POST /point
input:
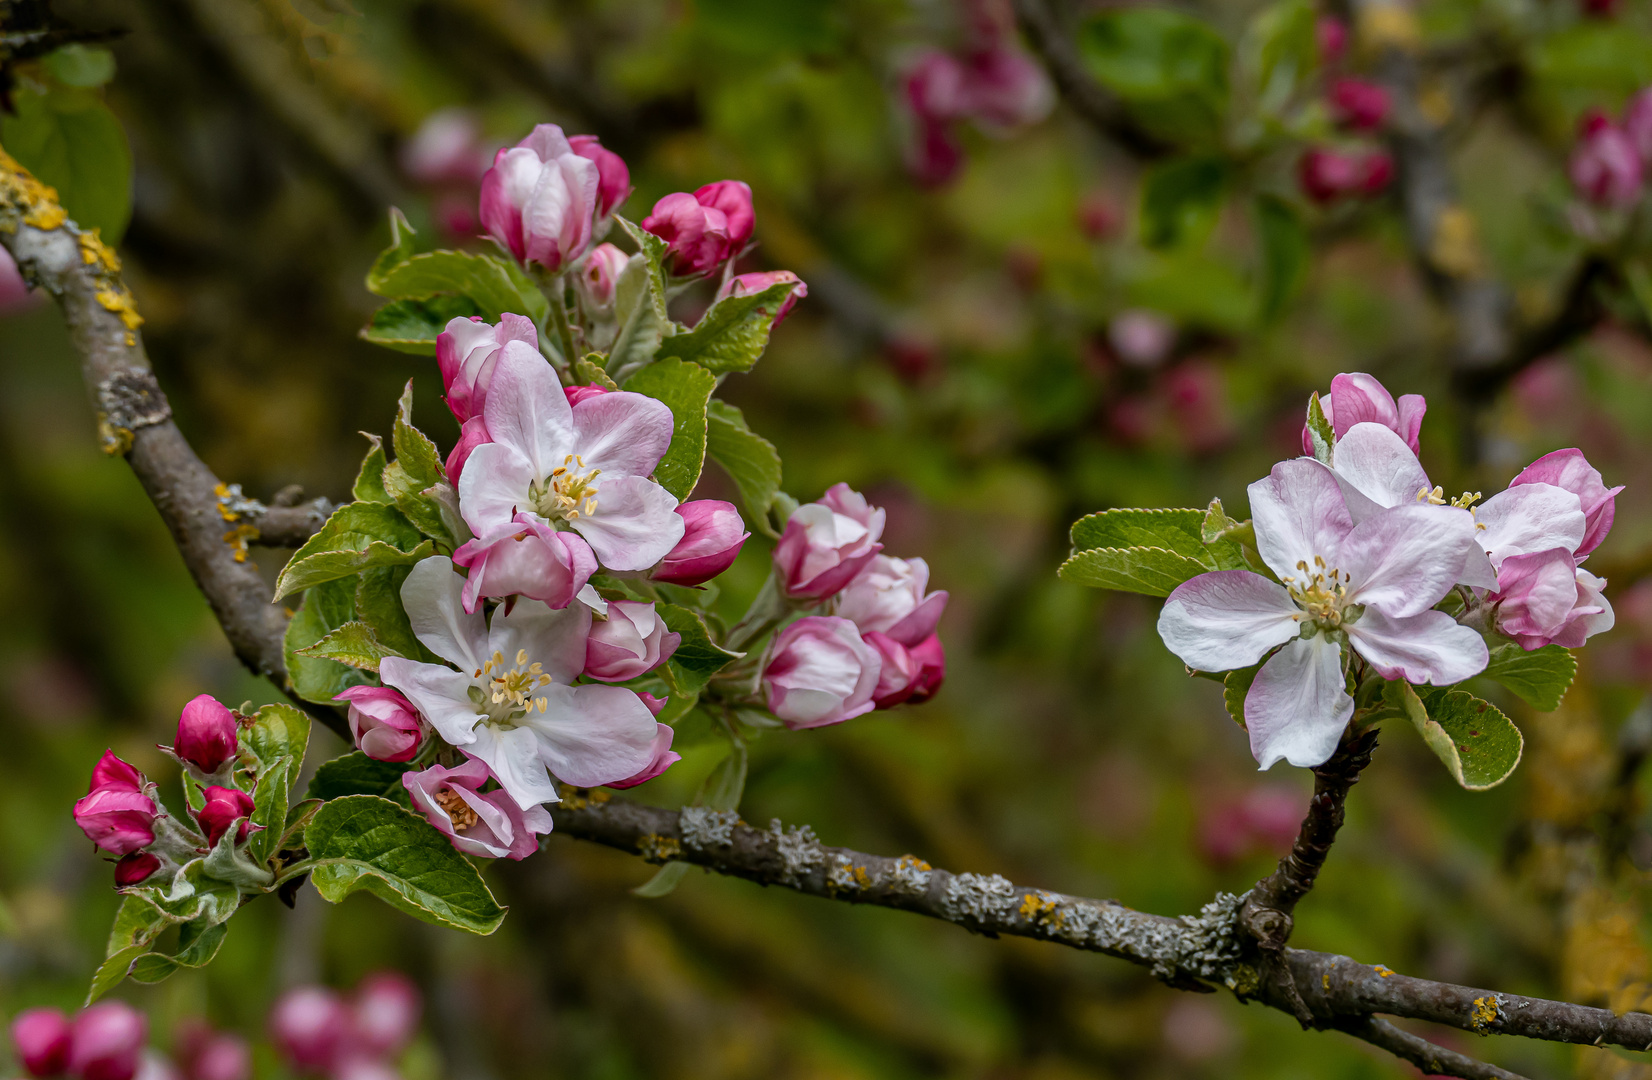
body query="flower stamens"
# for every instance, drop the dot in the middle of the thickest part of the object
(567, 493)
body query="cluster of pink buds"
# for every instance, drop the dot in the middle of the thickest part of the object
(122, 815)
(320, 1033)
(549, 197)
(1360, 107)
(990, 80)
(448, 156)
(875, 646)
(104, 1042)
(1610, 160)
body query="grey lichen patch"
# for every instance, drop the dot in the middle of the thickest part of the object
(979, 898)
(845, 875)
(234, 504)
(655, 848)
(705, 829)
(799, 851)
(128, 402)
(1206, 947)
(910, 875)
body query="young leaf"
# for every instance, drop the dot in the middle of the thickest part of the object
(412, 326)
(198, 943)
(421, 462)
(332, 565)
(485, 280)
(639, 304)
(277, 740)
(732, 335)
(1146, 570)
(369, 486)
(1285, 254)
(698, 658)
(357, 774)
(357, 536)
(379, 605)
(400, 250)
(1174, 530)
(71, 141)
(1235, 685)
(1320, 432)
(1539, 678)
(137, 923)
(751, 461)
(588, 371)
(685, 388)
(1182, 199)
(354, 644)
(326, 607)
(365, 842)
(1478, 745)
(1172, 66)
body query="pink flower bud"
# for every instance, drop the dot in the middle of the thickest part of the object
(1331, 35)
(936, 87)
(1546, 598)
(933, 153)
(1326, 175)
(489, 824)
(826, 543)
(222, 1057)
(733, 198)
(907, 675)
(135, 868)
(820, 672)
(1605, 166)
(467, 351)
(664, 756)
(116, 814)
(599, 277)
(206, 734)
(1376, 172)
(746, 284)
(310, 1027)
(107, 1039)
(1358, 398)
(539, 199)
(41, 1038)
(447, 149)
(712, 537)
(1098, 218)
(1006, 88)
(577, 394)
(472, 433)
(1359, 104)
(364, 1068)
(387, 1009)
(385, 725)
(223, 807)
(888, 597)
(1569, 469)
(1141, 338)
(613, 178)
(530, 559)
(697, 236)
(632, 641)
(1637, 124)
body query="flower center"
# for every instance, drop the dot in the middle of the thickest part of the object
(567, 493)
(505, 694)
(458, 811)
(1322, 594)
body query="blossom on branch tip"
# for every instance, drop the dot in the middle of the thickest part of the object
(526, 557)
(135, 868)
(117, 814)
(540, 198)
(489, 824)
(713, 534)
(1358, 398)
(888, 596)
(41, 1038)
(512, 704)
(746, 284)
(633, 640)
(826, 543)
(1546, 598)
(696, 235)
(664, 756)
(107, 1039)
(613, 177)
(733, 199)
(1371, 585)
(820, 672)
(206, 734)
(384, 724)
(224, 806)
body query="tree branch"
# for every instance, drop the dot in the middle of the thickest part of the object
(1088, 98)
(1431, 1058)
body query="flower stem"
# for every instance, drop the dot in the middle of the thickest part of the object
(554, 291)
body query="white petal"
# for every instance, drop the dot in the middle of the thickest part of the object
(1299, 705)
(1405, 559)
(636, 523)
(1299, 512)
(623, 434)
(527, 410)
(433, 597)
(1379, 464)
(1227, 619)
(493, 486)
(593, 735)
(1530, 518)
(441, 694)
(513, 755)
(552, 637)
(1427, 648)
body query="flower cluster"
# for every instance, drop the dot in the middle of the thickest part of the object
(1611, 158)
(104, 1042)
(321, 1033)
(1366, 572)
(1360, 108)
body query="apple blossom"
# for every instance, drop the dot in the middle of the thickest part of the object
(1358, 398)
(1372, 585)
(907, 675)
(1570, 470)
(733, 198)
(310, 1027)
(545, 461)
(224, 806)
(117, 814)
(526, 557)
(613, 177)
(826, 543)
(713, 534)
(206, 734)
(1331, 37)
(888, 596)
(384, 724)
(1141, 338)
(466, 352)
(386, 1012)
(1605, 166)
(599, 277)
(746, 284)
(108, 1037)
(1546, 598)
(539, 199)
(222, 1057)
(447, 149)
(41, 1038)
(633, 640)
(488, 824)
(511, 703)
(935, 87)
(1359, 104)
(696, 235)
(933, 153)
(1328, 175)
(1006, 88)
(820, 672)
(664, 756)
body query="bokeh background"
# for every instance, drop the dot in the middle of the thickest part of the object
(989, 355)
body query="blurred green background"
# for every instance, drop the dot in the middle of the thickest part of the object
(953, 360)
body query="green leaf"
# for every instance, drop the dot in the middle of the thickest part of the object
(1235, 685)
(357, 774)
(277, 740)
(698, 658)
(733, 334)
(421, 462)
(80, 65)
(70, 140)
(1477, 744)
(1539, 678)
(369, 486)
(1320, 432)
(685, 388)
(1285, 254)
(137, 924)
(1174, 530)
(327, 607)
(357, 536)
(1227, 540)
(198, 943)
(1181, 199)
(412, 326)
(379, 605)
(1145, 570)
(355, 644)
(483, 279)
(364, 842)
(750, 460)
(1281, 51)
(1173, 65)
(588, 371)
(639, 304)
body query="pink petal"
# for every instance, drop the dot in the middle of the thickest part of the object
(433, 597)
(1299, 705)
(1359, 398)
(593, 735)
(1380, 465)
(1528, 518)
(1426, 648)
(440, 694)
(1405, 559)
(636, 523)
(527, 410)
(493, 486)
(1299, 512)
(1227, 619)
(513, 756)
(623, 434)
(553, 637)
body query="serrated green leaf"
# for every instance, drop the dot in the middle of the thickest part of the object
(357, 774)
(1478, 745)
(421, 462)
(402, 235)
(1539, 678)
(1320, 433)
(1127, 527)
(334, 565)
(639, 304)
(412, 326)
(69, 139)
(357, 536)
(1149, 571)
(588, 371)
(1182, 199)
(750, 460)
(369, 485)
(137, 924)
(326, 607)
(685, 388)
(732, 335)
(362, 842)
(1285, 253)
(698, 658)
(277, 740)
(355, 644)
(1235, 685)
(485, 280)
(379, 605)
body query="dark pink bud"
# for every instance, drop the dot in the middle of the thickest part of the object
(1376, 171)
(135, 868)
(472, 433)
(1605, 167)
(827, 543)
(223, 807)
(15, 294)
(1326, 175)
(697, 236)
(106, 1042)
(933, 154)
(733, 198)
(746, 284)
(631, 641)
(577, 394)
(937, 88)
(117, 815)
(712, 537)
(385, 725)
(1331, 34)
(387, 1013)
(1098, 218)
(206, 734)
(41, 1038)
(309, 1027)
(664, 757)
(613, 178)
(1359, 104)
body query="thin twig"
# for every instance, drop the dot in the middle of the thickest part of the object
(1432, 1058)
